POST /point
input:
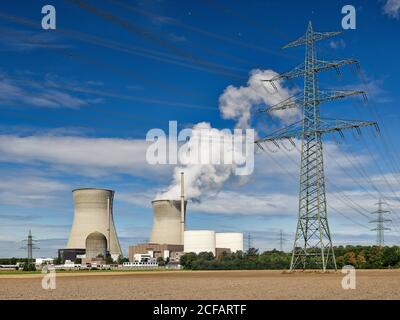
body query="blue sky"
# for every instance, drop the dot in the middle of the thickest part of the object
(76, 104)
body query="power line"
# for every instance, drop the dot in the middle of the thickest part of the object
(172, 21)
(149, 36)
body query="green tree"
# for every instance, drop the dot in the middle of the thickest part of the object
(391, 256)
(187, 260)
(350, 258)
(109, 259)
(161, 261)
(361, 261)
(29, 267)
(252, 254)
(120, 259)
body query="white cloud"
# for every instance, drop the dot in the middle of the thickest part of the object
(26, 189)
(34, 94)
(237, 103)
(26, 41)
(80, 155)
(392, 8)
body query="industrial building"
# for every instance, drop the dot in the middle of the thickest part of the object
(42, 261)
(93, 230)
(170, 241)
(194, 241)
(231, 240)
(199, 241)
(171, 251)
(210, 241)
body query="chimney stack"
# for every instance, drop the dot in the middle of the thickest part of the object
(182, 206)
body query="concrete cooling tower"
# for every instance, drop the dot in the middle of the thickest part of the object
(199, 241)
(167, 222)
(93, 212)
(229, 240)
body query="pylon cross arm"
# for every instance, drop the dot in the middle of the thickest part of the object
(297, 101)
(315, 36)
(325, 126)
(298, 71)
(320, 65)
(330, 95)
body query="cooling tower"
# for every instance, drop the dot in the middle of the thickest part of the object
(166, 222)
(93, 212)
(230, 240)
(199, 241)
(96, 244)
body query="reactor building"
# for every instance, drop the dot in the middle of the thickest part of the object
(93, 231)
(210, 241)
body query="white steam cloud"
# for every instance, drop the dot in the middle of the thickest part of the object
(201, 177)
(236, 104)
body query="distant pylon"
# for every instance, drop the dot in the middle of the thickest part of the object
(380, 224)
(281, 240)
(30, 246)
(249, 241)
(313, 243)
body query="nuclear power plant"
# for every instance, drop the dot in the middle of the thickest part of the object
(169, 239)
(93, 237)
(93, 230)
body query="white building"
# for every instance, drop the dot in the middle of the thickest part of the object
(41, 261)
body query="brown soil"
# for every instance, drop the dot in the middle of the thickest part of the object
(226, 285)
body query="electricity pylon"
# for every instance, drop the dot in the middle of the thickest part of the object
(313, 243)
(281, 240)
(380, 224)
(249, 241)
(30, 246)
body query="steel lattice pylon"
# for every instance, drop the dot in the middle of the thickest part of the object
(380, 224)
(312, 231)
(313, 243)
(30, 246)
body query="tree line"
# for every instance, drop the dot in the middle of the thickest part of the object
(361, 257)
